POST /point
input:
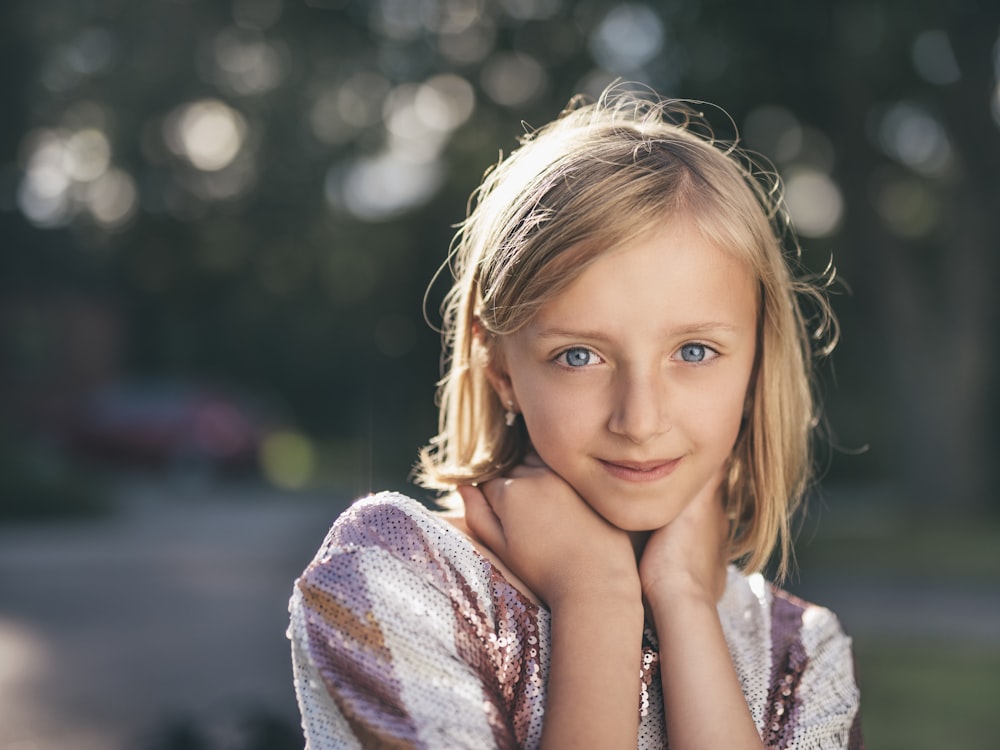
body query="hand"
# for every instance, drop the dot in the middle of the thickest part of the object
(687, 556)
(549, 537)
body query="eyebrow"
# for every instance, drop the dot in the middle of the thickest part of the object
(692, 329)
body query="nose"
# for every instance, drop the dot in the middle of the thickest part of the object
(640, 409)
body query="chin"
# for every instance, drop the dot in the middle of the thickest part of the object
(640, 523)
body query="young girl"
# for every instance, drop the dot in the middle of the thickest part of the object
(624, 434)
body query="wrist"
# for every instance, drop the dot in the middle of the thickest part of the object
(617, 597)
(683, 588)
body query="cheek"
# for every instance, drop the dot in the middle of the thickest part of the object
(556, 418)
(720, 412)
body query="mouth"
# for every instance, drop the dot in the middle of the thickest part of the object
(640, 471)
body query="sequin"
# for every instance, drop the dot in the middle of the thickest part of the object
(404, 636)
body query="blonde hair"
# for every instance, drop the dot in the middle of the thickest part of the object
(601, 174)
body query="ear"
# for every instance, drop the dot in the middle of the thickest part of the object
(495, 367)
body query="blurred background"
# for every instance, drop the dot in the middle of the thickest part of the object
(218, 221)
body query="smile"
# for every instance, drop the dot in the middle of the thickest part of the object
(640, 471)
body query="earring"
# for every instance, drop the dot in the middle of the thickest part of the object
(510, 415)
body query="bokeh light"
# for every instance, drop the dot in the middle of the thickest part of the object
(913, 136)
(934, 58)
(208, 133)
(344, 109)
(243, 63)
(629, 36)
(513, 78)
(814, 201)
(112, 199)
(288, 459)
(471, 45)
(383, 186)
(67, 172)
(88, 155)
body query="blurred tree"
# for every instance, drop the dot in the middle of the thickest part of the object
(264, 187)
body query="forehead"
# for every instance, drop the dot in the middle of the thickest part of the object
(670, 276)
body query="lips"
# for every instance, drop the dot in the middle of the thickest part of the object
(640, 471)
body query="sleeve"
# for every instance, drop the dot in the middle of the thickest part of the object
(381, 659)
(817, 692)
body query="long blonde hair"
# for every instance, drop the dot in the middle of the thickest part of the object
(601, 174)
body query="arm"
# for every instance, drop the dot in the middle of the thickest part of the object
(584, 570)
(375, 637)
(683, 576)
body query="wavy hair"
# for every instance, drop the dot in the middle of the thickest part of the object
(599, 175)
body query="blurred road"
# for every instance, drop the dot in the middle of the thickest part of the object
(174, 610)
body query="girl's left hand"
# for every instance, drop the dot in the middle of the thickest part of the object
(687, 556)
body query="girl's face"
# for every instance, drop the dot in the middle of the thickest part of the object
(632, 382)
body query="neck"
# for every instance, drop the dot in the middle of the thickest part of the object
(638, 539)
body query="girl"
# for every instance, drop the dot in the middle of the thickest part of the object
(624, 435)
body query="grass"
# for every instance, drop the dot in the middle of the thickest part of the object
(919, 694)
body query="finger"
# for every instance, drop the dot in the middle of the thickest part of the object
(479, 516)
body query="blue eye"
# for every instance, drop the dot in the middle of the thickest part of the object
(694, 352)
(578, 357)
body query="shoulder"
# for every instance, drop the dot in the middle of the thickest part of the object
(795, 663)
(797, 635)
(795, 618)
(751, 597)
(387, 520)
(386, 537)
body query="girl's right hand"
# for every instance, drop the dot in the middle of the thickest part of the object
(537, 524)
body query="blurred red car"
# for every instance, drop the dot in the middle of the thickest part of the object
(171, 426)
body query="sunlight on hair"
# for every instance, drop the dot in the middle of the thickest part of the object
(207, 133)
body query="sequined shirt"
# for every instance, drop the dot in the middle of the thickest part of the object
(404, 636)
